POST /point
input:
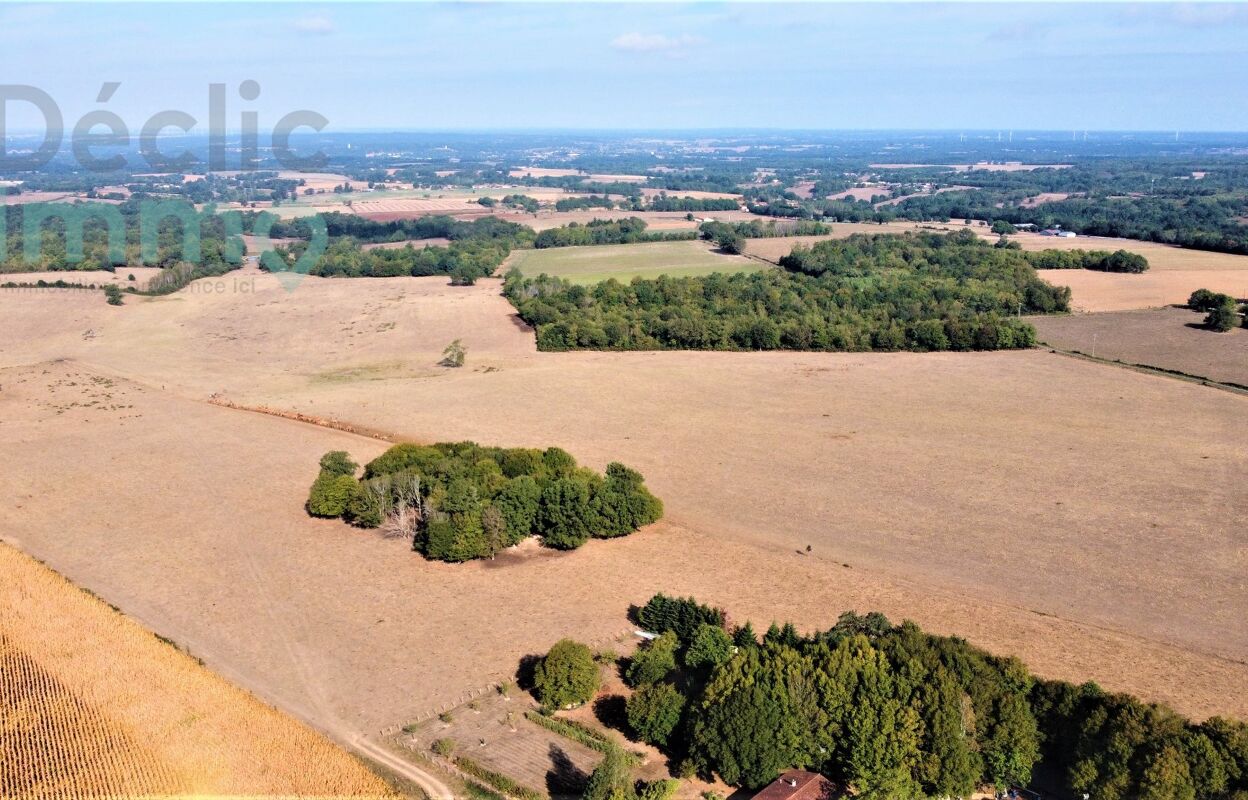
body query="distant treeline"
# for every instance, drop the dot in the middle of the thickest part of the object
(882, 292)
(665, 202)
(218, 250)
(462, 501)
(602, 231)
(1206, 223)
(891, 712)
(369, 231)
(476, 250)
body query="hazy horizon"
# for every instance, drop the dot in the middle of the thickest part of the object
(692, 67)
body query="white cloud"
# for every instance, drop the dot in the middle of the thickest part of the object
(315, 24)
(655, 43)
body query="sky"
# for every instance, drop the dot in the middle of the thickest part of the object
(439, 66)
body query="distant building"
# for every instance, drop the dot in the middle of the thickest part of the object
(1058, 232)
(798, 784)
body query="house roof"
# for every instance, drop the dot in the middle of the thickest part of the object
(798, 784)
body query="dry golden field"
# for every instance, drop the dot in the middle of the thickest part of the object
(93, 705)
(1168, 338)
(955, 487)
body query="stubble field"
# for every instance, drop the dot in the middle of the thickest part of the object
(1168, 338)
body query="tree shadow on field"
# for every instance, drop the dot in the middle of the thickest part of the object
(564, 779)
(526, 672)
(611, 711)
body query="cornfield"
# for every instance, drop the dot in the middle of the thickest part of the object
(93, 706)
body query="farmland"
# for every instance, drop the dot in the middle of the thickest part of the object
(1168, 338)
(588, 265)
(101, 707)
(1007, 477)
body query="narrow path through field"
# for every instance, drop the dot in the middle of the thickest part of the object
(428, 783)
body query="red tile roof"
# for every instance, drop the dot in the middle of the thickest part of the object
(798, 784)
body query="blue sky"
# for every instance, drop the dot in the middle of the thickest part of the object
(837, 66)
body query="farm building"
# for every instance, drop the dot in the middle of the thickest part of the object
(798, 784)
(1058, 232)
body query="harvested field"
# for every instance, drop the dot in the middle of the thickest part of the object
(773, 248)
(94, 705)
(589, 265)
(655, 220)
(416, 243)
(1108, 291)
(1168, 338)
(973, 515)
(690, 193)
(898, 200)
(860, 193)
(1044, 197)
(1161, 257)
(85, 277)
(26, 198)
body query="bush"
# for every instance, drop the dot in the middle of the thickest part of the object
(443, 747)
(654, 662)
(662, 789)
(331, 494)
(566, 676)
(1205, 300)
(338, 462)
(1002, 227)
(455, 352)
(1222, 318)
(112, 292)
(654, 712)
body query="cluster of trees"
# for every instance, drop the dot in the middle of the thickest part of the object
(664, 202)
(581, 203)
(463, 501)
(1222, 311)
(1100, 260)
(476, 249)
(884, 292)
(893, 712)
(521, 201)
(465, 260)
(604, 231)
(757, 229)
(731, 236)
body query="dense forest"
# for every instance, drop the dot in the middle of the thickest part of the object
(460, 501)
(894, 712)
(881, 292)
